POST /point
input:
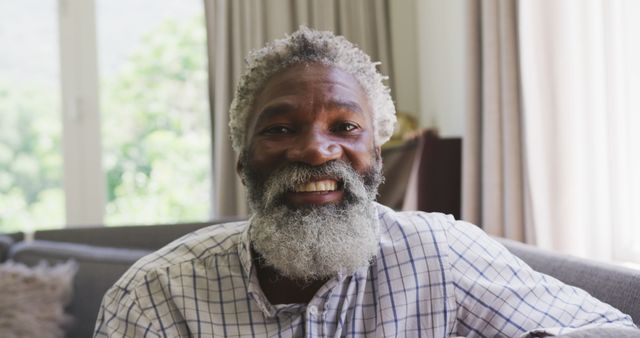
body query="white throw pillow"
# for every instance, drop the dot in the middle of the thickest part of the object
(32, 299)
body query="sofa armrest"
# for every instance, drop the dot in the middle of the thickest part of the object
(5, 245)
(98, 269)
(603, 332)
(148, 237)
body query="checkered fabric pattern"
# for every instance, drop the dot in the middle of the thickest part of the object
(433, 277)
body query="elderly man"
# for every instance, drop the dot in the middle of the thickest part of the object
(319, 257)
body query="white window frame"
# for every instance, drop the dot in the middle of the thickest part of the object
(83, 177)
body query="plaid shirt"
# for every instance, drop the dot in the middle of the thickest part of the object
(433, 277)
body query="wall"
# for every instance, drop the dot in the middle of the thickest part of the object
(430, 60)
(404, 53)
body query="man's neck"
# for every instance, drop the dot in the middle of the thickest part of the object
(282, 290)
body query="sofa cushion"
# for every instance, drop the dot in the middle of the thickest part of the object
(98, 269)
(33, 299)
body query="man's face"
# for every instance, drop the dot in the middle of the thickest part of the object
(312, 171)
(311, 114)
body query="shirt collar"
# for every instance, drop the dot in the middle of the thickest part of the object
(253, 285)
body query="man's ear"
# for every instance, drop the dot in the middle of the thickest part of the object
(378, 150)
(239, 166)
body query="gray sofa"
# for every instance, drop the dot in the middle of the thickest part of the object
(104, 253)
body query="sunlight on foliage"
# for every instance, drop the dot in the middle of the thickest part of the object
(31, 194)
(155, 136)
(156, 129)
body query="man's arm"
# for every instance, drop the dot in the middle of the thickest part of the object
(120, 315)
(499, 295)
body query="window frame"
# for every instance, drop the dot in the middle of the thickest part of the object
(83, 178)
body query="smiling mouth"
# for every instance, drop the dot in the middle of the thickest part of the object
(316, 192)
(326, 185)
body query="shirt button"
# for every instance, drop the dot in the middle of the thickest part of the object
(312, 310)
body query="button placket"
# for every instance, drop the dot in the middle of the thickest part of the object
(312, 310)
(313, 324)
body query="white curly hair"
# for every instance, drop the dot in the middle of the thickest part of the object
(308, 45)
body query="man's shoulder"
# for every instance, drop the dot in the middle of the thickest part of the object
(217, 239)
(404, 223)
(430, 229)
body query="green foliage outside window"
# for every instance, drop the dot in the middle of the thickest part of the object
(31, 195)
(155, 136)
(158, 165)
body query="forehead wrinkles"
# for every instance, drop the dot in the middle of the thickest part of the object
(309, 84)
(285, 106)
(324, 82)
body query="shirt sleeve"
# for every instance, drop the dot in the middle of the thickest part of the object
(498, 295)
(120, 315)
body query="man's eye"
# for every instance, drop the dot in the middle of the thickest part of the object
(346, 127)
(278, 130)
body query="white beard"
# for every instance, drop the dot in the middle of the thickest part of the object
(311, 243)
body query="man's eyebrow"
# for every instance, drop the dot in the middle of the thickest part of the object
(349, 105)
(275, 109)
(281, 108)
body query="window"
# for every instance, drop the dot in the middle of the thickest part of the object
(31, 192)
(103, 113)
(155, 125)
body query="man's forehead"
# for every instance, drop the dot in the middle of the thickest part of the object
(307, 74)
(297, 84)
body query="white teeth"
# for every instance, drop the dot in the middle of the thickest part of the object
(324, 185)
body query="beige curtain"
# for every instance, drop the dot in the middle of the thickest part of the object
(236, 26)
(581, 79)
(494, 190)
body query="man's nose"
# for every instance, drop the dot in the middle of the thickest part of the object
(314, 148)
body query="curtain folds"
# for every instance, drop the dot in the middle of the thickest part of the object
(234, 27)
(551, 141)
(579, 137)
(494, 189)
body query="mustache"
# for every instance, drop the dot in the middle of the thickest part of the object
(287, 178)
